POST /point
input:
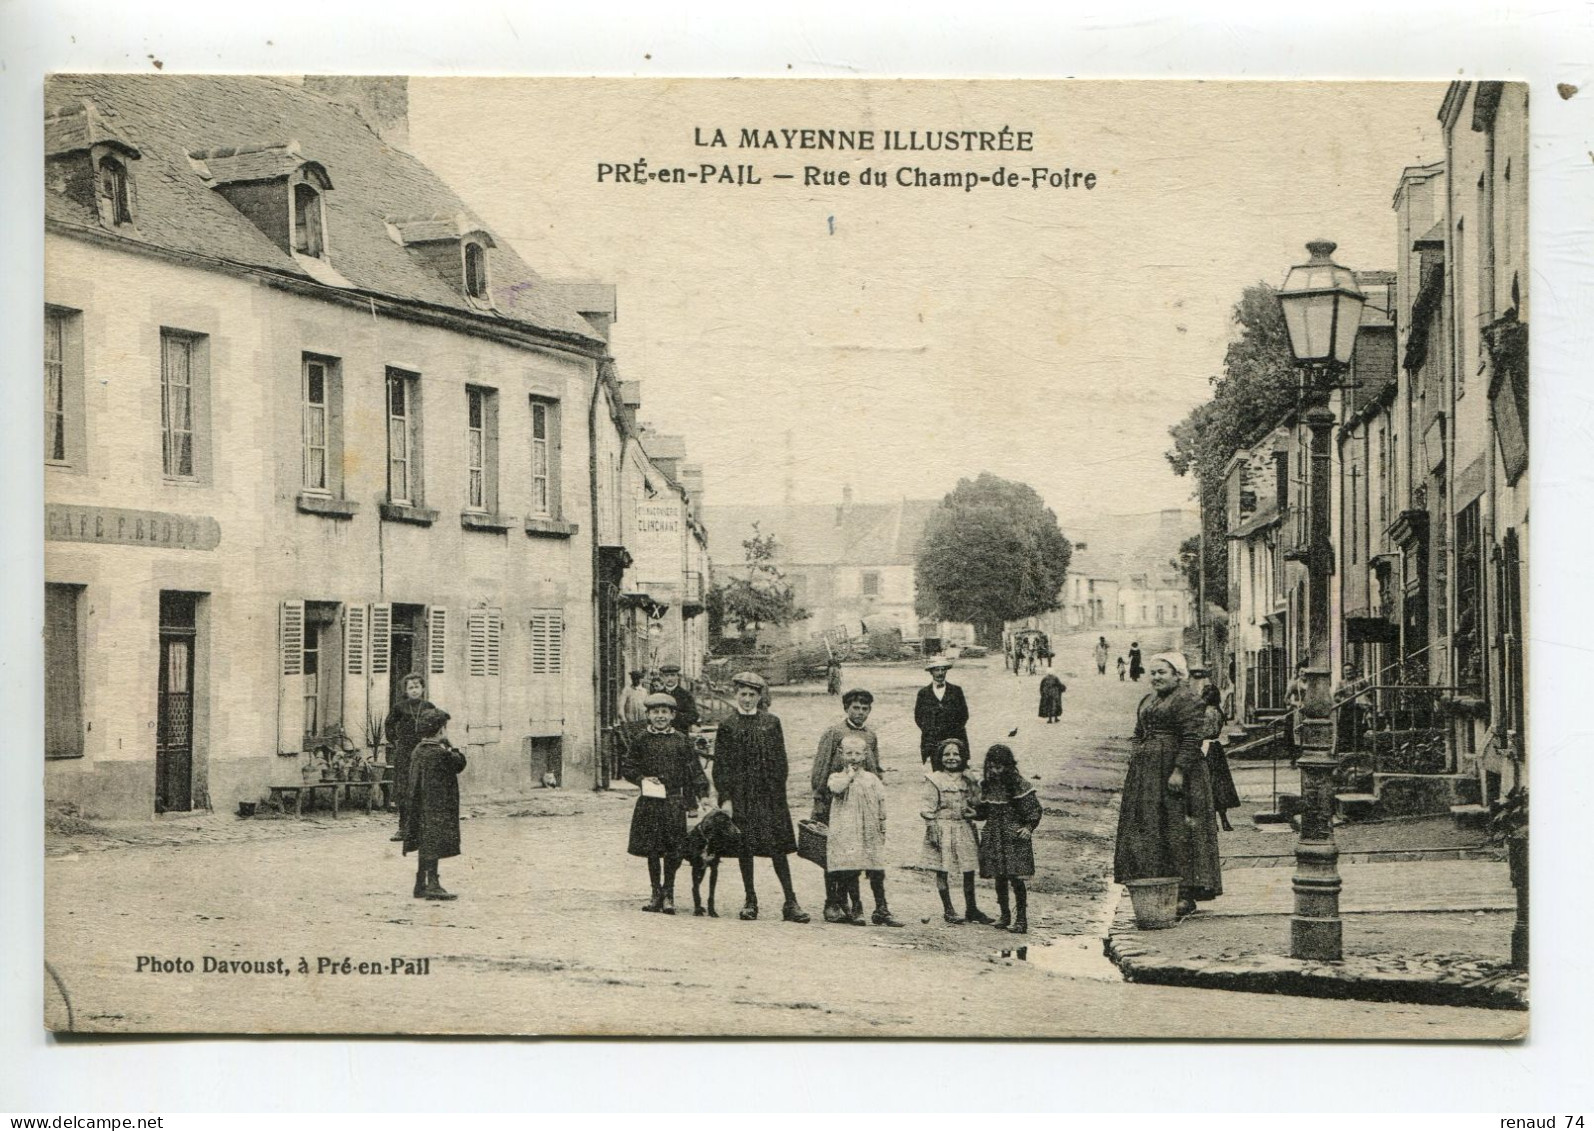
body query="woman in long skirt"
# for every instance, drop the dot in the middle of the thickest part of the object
(1167, 825)
(1224, 795)
(1052, 690)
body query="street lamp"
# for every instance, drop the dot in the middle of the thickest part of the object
(1322, 311)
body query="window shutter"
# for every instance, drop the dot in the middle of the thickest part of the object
(476, 647)
(292, 637)
(354, 639)
(290, 678)
(547, 643)
(381, 638)
(495, 629)
(437, 640)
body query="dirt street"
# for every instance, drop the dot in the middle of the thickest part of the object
(547, 936)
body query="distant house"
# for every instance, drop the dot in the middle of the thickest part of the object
(851, 566)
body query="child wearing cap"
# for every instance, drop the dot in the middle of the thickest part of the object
(431, 815)
(662, 762)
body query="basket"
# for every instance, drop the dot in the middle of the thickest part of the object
(1156, 902)
(812, 837)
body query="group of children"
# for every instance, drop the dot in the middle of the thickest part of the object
(849, 800)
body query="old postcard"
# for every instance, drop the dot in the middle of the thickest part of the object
(844, 558)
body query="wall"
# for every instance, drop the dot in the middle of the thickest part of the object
(270, 552)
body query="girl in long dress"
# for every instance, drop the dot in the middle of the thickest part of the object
(1167, 825)
(950, 807)
(1007, 850)
(662, 762)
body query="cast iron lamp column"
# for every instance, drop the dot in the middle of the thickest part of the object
(1322, 310)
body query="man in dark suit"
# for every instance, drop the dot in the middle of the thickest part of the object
(685, 701)
(941, 713)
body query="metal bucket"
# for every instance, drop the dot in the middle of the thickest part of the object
(1156, 902)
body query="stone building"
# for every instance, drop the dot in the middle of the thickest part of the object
(309, 426)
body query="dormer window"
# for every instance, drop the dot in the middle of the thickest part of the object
(308, 221)
(282, 193)
(455, 247)
(115, 207)
(89, 161)
(475, 271)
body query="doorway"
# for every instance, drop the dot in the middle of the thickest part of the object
(174, 710)
(408, 642)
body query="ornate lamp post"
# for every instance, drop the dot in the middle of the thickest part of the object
(1322, 311)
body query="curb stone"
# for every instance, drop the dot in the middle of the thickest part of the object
(1427, 979)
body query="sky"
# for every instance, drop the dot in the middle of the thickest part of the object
(895, 339)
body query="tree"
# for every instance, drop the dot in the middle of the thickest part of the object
(991, 552)
(1257, 389)
(760, 597)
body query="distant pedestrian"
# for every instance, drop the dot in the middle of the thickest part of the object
(685, 703)
(1122, 667)
(857, 840)
(950, 806)
(400, 727)
(750, 770)
(1101, 651)
(941, 712)
(1052, 690)
(633, 701)
(431, 817)
(1136, 668)
(1007, 850)
(660, 760)
(833, 675)
(1224, 795)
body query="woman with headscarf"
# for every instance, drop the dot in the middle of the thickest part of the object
(1167, 825)
(1052, 690)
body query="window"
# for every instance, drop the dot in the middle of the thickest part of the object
(308, 228)
(481, 449)
(316, 392)
(63, 387)
(116, 207)
(182, 373)
(403, 438)
(63, 673)
(476, 271)
(1469, 599)
(871, 584)
(544, 458)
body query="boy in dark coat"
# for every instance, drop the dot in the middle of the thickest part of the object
(662, 762)
(431, 818)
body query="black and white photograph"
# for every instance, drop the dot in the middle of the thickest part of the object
(843, 558)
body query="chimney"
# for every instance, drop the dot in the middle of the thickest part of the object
(382, 100)
(631, 398)
(596, 302)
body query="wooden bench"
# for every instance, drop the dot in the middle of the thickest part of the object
(279, 793)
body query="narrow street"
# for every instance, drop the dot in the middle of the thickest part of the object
(547, 938)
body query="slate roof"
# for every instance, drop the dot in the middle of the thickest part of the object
(856, 534)
(174, 116)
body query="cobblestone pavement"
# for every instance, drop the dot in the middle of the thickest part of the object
(546, 936)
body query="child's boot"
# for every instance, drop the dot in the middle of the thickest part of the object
(971, 910)
(833, 898)
(882, 916)
(434, 886)
(947, 913)
(1021, 922)
(1006, 916)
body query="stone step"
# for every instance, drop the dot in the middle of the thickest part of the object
(1470, 816)
(1356, 806)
